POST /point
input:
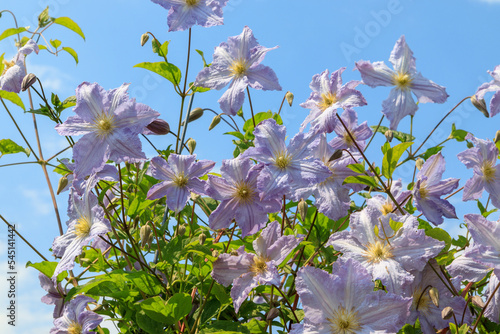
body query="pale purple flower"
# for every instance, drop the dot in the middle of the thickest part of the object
(183, 14)
(76, 318)
(389, 255)
(246, 271)
(328, 95)
(55, 294)
(181, 175)
(359, 132)
(492, 86)
(429, 188)
(423, 307)
(344, 301)
(111, 124)
(237, 63)
(482, 159)
(379, 206)
(288, 169)
(86, 222)
(14, 71)
(406, 80)
(240, 198)
(107, 173)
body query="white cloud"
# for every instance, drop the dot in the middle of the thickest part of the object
(38, 200)
(52, 78)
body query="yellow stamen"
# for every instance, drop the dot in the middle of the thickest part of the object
(378, 252)
(104, 124)
(180, 180)
(345, 321)
(7, 64)
(402, 80)
(423, 192)
(386, 208)
(244, 193)
(282, 159)
(192, 3)
(421, 300)
(488, 171)
(74, 328)
(327, 100)
(238, 67)
(259, 265)
(82, 226)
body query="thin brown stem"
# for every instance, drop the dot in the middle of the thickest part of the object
(374, 132)
(251, 107)
(26, 241)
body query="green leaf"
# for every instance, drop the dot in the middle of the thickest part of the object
(362, 179)
(220, 293)
(430, 152)
(12, 97)
(7, 146)
(70, 24)
(391, 158)
(202, 58)
(358, 168)
(395, 225)
(12, 31)
(166, 70)
(55, 43)
(178, 306)
(259, 117)
(458, 135)
(198, 89)
(146, 323)
(402, 137)
(237, 134)
(71, 52)
(132, 207)
(45, 267)
(44, 18)
(145, 282)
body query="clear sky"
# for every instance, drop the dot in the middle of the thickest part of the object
(455, 43)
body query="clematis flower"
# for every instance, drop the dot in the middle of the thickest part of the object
(76, 319)
(327, 96)
(492, 86)
(239, 196)
(181, 177)
(55, 294)
(379, 206)
(344, 301)
(482, 159)
(237, 63)
(107, 173)
(390, 252)
(429, 188)
(246, 271)
(183, 14)
(423, 307)
(110, 123)
(86, 222)
(406, 80)
(14, 71)
(288, 169)
(359, 132)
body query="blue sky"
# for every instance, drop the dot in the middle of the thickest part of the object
(453, 41)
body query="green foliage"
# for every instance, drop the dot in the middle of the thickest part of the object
(166, 70)
(362, 179)
(70, 24)
(12, 97)
(391, 158)
(458, 135)
(402, 137)
(7, 146)
(11, 31)
(71, 52)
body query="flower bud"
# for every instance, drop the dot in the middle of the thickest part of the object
(195, 197)
(146, 235)
(240, 112)
(419, 163)
(191, 145)
(480, 105)
(195, 114)
(144, 38)
(289, 97)
(181, 231)
(447, 313)
(202, 238)
(302, 209)
(497, 137)
(273, 313)
(158, 127)
(389, 134)
(434, 294)
(215, 121)
(28, 81)
(234, 252)
(215, 253)
(63, 182)
(336, 155)
(476, 300)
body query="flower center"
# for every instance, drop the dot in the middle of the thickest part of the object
(180, 180)
(421, 300)
(402, 80)
(378, 252)
(74, 328)
(238, 67)
(488, 171)
(259, 265)
(244, 193)
(348, 140)
(192, 3)
(8, 64)
(327, 100)
(283, 159)
(345, 321)
(82, 227)
(423, 192)
(386, 208)
(104, 124)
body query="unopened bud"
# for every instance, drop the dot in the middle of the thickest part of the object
(447, 313)
(273, 313)
(434, 294)
(234, 252)
(195, 114)
(146, 235)
(419, 163)
(144, 38)
(195, 197)
(28, 81)
(480, 105)
(158, 127)
(215, 253)
(202, 238)
(63, 182)
(302, 208)
(240, 112)
(389, 134)
(191, 145)
(476, 300)
(181, 231)
(289, 98)
(215, 121)
(497, 137)
(336, 155)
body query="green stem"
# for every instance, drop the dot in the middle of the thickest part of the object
(183, 94)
